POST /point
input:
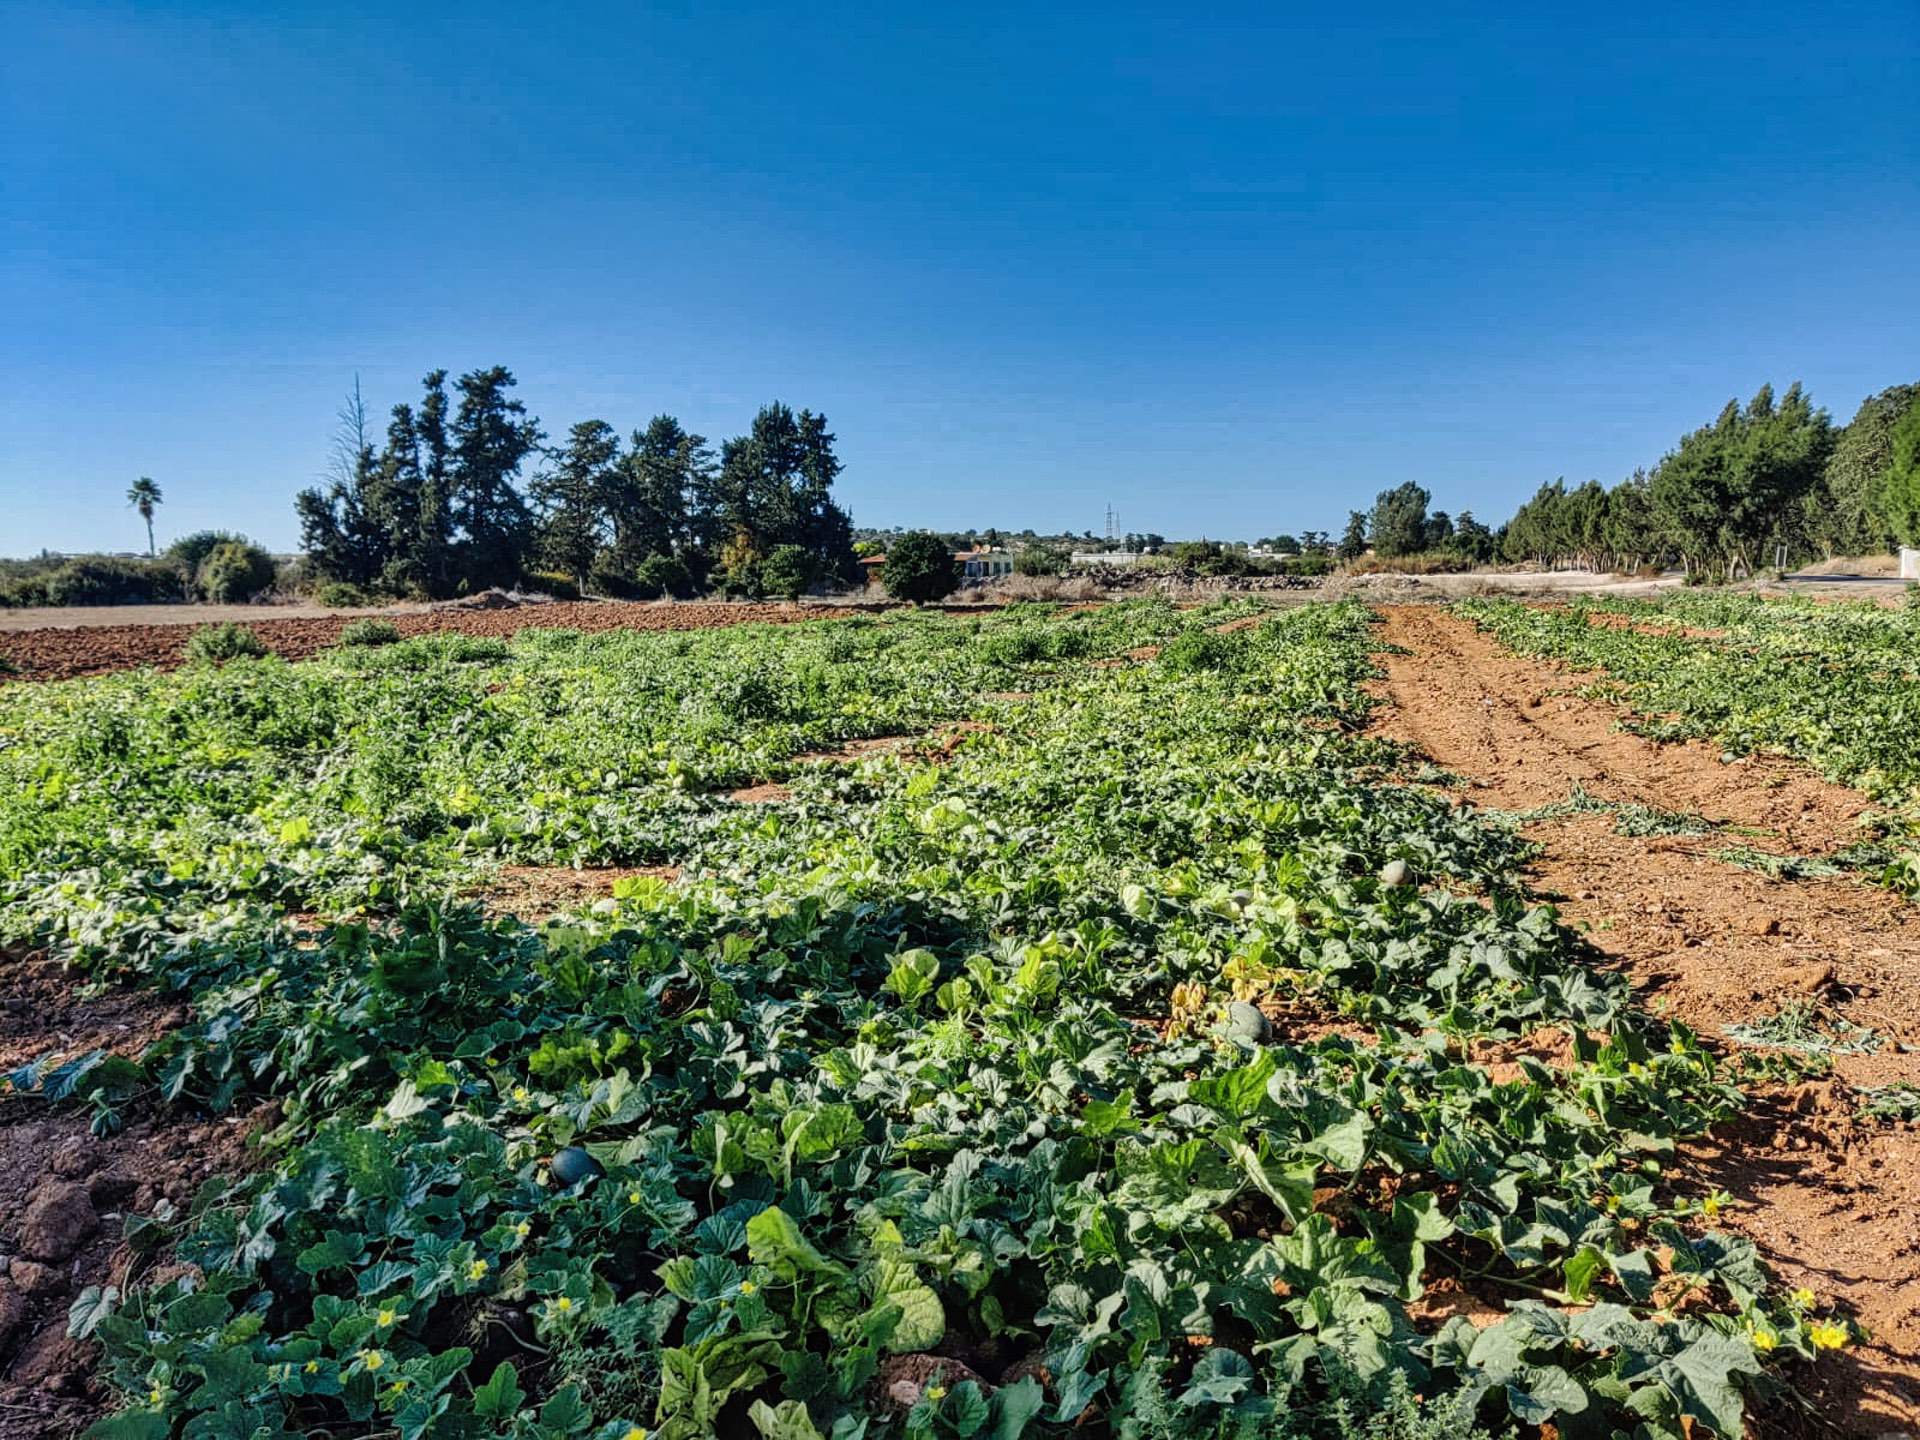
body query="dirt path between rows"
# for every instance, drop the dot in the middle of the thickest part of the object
(1832, 1200)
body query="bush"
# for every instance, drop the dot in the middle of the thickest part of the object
(100, 580)
(789, 571)
(215, 643)
(556, 583)
(341, 595)
(659, 575)
(369, 632)
(234, 572)
(920, 568)
(1037, 562)
(189, 552)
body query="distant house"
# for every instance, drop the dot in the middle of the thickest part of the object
(870, 567)
(1118, 559)
(983, 563)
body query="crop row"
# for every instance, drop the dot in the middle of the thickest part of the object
(1102, 1073)
(1836, 685)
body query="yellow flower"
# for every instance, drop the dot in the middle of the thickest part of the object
(635, 1432)
(747, 1287)
(1826, 1335)
(520, 1092)
(156, 1395)
(398, 1387)
(312, 1367)
(385, 1317)
(478, 1270)
(1764, 1339)
(633, 1197)
(562, 1306)
(372, 1359)
(1803, 1297)
(1710, 1206)
(523, 1229)
(936, 1392)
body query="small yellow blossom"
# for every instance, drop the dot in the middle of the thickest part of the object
(478, 1270)
(633, 1197)
(372, 1359)
(635, 1432)
(398, 1387)
(312, 1367)
(1764, 1339)
(562, 1305)
(1826, 1335)
(520, 1093)
(523, 1229)
(1710, 1206)
(1803, 1297)
(156, 1395)
(747, 1287)
(936, 1392)
(385, 1317)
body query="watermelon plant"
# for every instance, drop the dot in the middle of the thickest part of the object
(1134, 1050)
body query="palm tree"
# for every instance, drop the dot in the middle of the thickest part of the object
(144, 495)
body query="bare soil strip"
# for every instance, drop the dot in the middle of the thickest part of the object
(63, 652)
(1833, 1201)
(64, 1192)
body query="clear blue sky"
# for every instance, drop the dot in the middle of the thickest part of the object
(1232, 271)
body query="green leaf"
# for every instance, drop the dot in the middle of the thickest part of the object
(501, 1396)
(93, 1305)
(1014, 1407)
(774, 1240)
(913, 975)
(787, 1421)
(922, 1322)
(1238, 1094)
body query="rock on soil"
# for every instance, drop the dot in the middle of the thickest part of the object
(58, 1221)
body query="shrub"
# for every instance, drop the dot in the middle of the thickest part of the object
(556, 583)
(662, 574)
(789, 571)
(1037, 562)
(102, 580)
(233, 572)
(215, 643)
(920, 568)
(189, 552)
(341, 595)
(369, 632)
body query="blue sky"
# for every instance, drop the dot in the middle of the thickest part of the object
(1230, 269)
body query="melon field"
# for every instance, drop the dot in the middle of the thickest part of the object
(1226, 1022)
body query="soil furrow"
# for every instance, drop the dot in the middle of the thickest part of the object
(1833, 1200)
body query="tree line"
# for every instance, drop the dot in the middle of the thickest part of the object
(1772, 481)
(464, 493)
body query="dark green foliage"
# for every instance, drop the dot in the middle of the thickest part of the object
(557, 583)
(215, 643)
(789, 571)
(573, 494)
(233, 572)
(93, 580)
(438, 511)
(1037, 561)
(189, 552)
(662, 575)
(1900, 489)
(1353, 540)
(920, 568)
(1858, 518)
(369, 632)
(1398, 523)
(340, 595)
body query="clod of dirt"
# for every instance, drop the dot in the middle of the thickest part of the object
(1396, 873)
(903, 1379)
(31, 1278)
(59, 1219)
(12, 1311)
